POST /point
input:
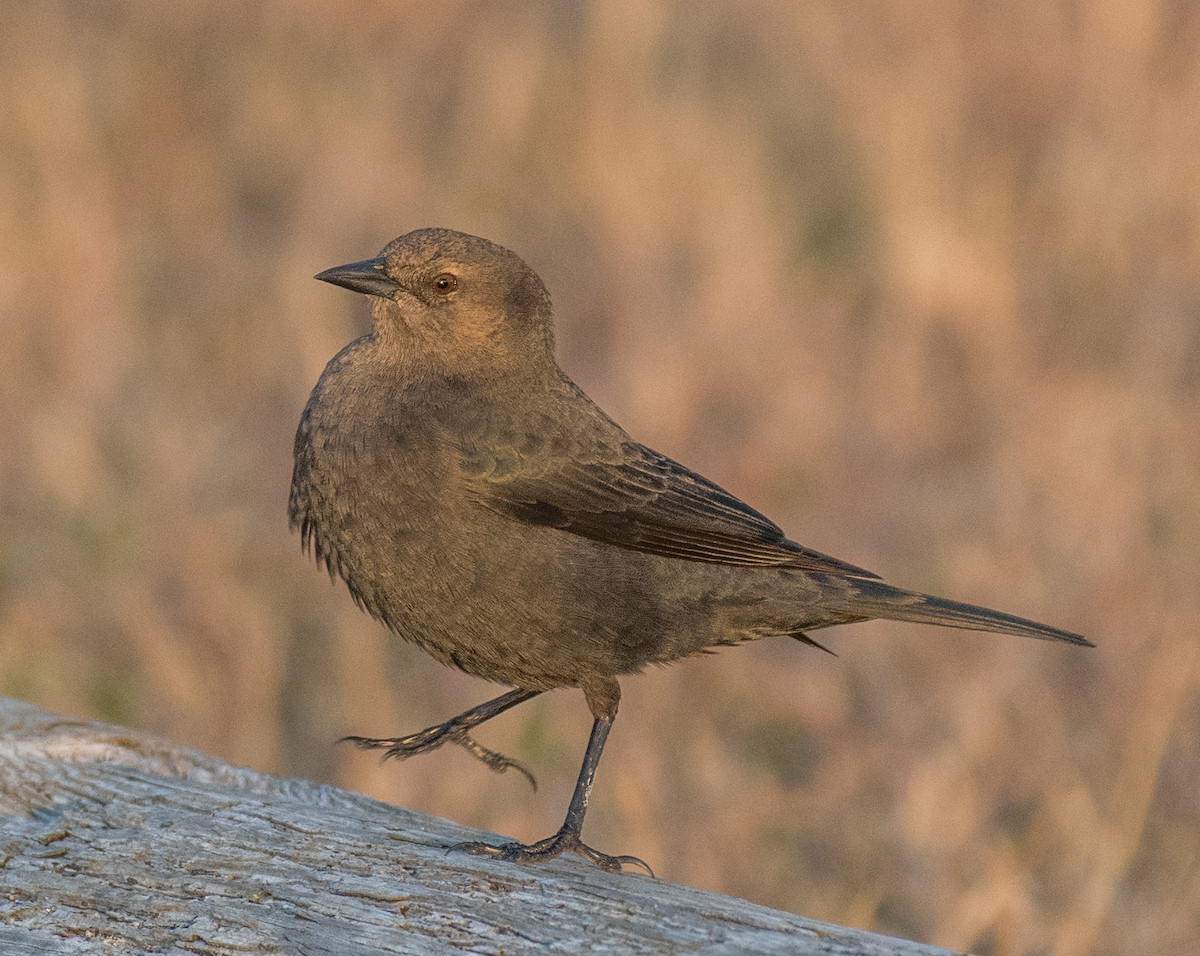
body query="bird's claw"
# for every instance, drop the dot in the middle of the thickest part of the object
(494, 760)
(431, 738)
(548, 849)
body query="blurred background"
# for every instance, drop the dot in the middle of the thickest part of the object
(919, 280)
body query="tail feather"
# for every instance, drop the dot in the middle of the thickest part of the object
(870, 598)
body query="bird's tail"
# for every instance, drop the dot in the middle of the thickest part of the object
(868, 598)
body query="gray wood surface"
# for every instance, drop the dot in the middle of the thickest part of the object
(114, 841)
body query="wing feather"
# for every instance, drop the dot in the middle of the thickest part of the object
(634, 497)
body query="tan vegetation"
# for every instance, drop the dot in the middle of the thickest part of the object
(919, 280)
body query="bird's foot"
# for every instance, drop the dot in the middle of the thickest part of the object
(433, 737)
(562, 842)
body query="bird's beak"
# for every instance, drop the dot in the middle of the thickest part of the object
(366, 277)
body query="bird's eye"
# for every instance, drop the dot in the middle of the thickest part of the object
(445, 283)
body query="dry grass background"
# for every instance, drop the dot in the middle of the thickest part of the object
(920, 280)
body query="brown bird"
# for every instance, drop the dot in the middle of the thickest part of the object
(480, 505)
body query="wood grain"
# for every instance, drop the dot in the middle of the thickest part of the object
(116, 841)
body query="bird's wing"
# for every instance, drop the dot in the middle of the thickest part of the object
(627, 495)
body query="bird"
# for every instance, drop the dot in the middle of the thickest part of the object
(481, 506)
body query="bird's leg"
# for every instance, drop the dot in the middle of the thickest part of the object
(455, 731)
(568, 838)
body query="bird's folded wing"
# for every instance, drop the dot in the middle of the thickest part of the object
(641, 500)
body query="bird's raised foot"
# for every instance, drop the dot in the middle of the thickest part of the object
(431, 738)
(562, 842)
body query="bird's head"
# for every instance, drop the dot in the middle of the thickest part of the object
(454, 304)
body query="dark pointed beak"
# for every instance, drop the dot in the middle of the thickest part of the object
(366, 277)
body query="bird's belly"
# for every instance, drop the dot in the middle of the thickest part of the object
(541, 608)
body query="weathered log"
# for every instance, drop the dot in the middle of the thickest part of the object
(116, 841)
